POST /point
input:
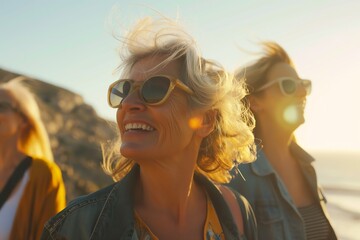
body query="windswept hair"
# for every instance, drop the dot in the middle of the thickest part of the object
(255, 73)
(34, 140)
(231, 141)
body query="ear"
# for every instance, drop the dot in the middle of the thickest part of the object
(23, 123)
(255, 103)
(23, 129)
(207, 124)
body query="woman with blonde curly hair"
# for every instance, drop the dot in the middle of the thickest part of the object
(31, 184)
(181, 126)
(281, 184)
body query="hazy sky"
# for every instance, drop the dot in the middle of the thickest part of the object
(71, 44)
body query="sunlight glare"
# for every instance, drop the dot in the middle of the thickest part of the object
(194, 122)
(291, 114)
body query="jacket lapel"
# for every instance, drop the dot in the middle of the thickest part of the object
(116, 220)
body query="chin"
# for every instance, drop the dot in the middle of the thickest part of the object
(134, 151)
(293, 126)
(293, 116)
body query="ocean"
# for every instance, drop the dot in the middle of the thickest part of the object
(339, 175)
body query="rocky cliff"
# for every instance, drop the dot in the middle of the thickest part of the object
(75, 132)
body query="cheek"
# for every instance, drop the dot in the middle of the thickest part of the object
(284, 103)
(276, 102)
(119, 117)
(8, 126)
(177, 123)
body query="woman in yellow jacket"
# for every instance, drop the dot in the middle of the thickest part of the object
(31, 185)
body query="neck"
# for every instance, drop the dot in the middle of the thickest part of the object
(275, 142)
(170, 191)
(10, 157)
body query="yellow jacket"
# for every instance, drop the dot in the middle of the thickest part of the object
(43, 197)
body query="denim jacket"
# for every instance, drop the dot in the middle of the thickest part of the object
(276, 214)
(108, 213)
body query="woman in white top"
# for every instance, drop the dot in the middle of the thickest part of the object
(31, 186)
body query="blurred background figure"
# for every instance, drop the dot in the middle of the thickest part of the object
(281, 184)
(31, 184)
(181, 126)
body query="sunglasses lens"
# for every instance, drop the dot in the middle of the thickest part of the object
(289, 86)
(118, 92)
(155, 89)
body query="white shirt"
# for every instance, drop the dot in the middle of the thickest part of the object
(8, 210)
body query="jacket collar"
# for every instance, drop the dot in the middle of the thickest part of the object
(117, 213)
(262, 166)
(301, 154)
(116, 219)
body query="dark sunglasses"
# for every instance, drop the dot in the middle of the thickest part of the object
(6, 107)
(288, 85)
(153, 91)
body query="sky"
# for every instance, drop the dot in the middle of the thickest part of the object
(71, 44)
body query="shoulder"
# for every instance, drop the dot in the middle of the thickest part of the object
(242, 211)
(240, 170)
(45, 171)
(44, 166)
(243, 178)
(82, 209)
(236, 201)
(243, 204)
(97, 196)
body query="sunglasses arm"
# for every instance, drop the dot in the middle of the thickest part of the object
(265, 86)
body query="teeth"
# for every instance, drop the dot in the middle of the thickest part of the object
(138, 126)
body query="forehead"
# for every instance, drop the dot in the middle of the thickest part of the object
(281, 70)
(6, 96)
(149, 66)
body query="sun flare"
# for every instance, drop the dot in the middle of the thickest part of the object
(194, 122)
(291, 114)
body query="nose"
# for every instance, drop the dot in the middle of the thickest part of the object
(301, 90)
(130, 104)
(133, 102)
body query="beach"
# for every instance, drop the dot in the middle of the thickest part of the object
(339, 176)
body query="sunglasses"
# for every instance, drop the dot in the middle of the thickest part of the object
(288, 85)
(153, 91)
(6, 107)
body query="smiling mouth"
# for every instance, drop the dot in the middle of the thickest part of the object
(302, 105)
(138, 127)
